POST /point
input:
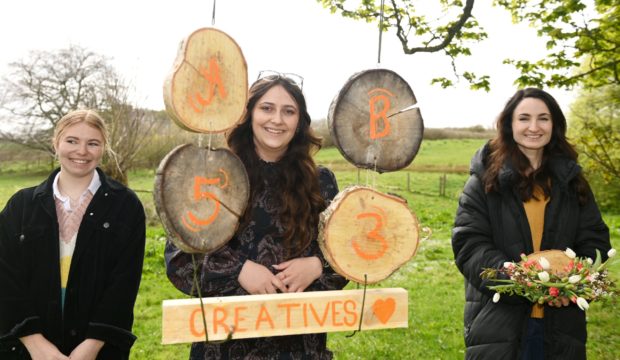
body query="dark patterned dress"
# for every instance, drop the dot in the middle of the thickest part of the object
(260, 242)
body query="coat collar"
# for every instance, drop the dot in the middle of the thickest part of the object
(563, 169)
(45, 188)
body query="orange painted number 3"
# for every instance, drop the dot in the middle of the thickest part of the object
(373, 235)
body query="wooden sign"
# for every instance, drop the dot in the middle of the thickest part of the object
(207, 89)
(283, 314)
(200, 194)
(365, 232)
(373, 122)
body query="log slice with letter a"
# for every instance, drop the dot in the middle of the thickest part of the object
(200, 194)
(366, 232)
(373, 122)
(207, 89)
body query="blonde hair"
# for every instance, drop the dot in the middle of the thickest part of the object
(91, 118)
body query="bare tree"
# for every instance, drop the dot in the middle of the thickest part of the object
(48, 84)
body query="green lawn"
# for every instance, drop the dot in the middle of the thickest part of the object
(434, 285)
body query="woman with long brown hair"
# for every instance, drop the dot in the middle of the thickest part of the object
(275, 247)
(526, 193)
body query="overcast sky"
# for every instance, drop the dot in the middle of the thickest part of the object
(296, 36)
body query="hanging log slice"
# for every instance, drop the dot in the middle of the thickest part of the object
(373, 122)
(200, 195)
(367, 232)
(557, 259)
(207, 89)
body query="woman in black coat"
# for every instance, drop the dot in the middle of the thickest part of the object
(526, 193)
(71, 252)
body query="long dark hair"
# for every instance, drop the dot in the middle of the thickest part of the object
(504, 150)
(300, 201)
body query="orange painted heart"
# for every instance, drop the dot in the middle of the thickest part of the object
(384, 309)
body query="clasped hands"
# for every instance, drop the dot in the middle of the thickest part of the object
(293, 276)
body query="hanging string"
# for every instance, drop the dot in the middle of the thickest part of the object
(210, 137)
(374, 176)
(213, 14)
(202, 307)
(196, 287)
(362, 311)
(380, 32)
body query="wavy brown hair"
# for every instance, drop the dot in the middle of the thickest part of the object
(504, 150)
(300, 201)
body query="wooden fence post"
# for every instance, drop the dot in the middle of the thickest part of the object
(442, 185)
(408, 182)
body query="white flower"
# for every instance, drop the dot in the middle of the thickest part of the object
(496, 297)
(574, 279)
(543, 276)
(582, 303)
(611, 253)
(544, 263)
(590, 261)
(570, 253)
(507, 265)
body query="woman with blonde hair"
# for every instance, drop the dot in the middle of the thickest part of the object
(71, 252)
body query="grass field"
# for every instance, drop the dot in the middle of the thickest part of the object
(434, 285)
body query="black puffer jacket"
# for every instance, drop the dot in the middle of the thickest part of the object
(491, 228)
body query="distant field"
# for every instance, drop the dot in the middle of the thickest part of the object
(434, 285)
(433, 156)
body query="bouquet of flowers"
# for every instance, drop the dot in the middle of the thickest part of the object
(553, 274)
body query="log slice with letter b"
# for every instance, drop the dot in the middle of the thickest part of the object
(366, 232)
(373, 122)
(200, 194)
(207, 89)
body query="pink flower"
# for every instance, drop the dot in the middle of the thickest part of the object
(553, 291)
(579, 266)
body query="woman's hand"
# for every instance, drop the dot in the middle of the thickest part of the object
(87, 350)
(40, 348)
(257, 279)
(297, 274)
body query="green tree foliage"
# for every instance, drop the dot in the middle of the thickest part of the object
(575, 31)
(595, 129)
(446, 26)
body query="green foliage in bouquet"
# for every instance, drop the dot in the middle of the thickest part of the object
(582, 280)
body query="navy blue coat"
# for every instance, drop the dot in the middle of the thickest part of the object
(103, 279)
(491, 228)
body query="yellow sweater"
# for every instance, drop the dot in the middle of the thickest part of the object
(535, 211)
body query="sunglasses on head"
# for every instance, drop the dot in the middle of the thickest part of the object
(271, 75)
